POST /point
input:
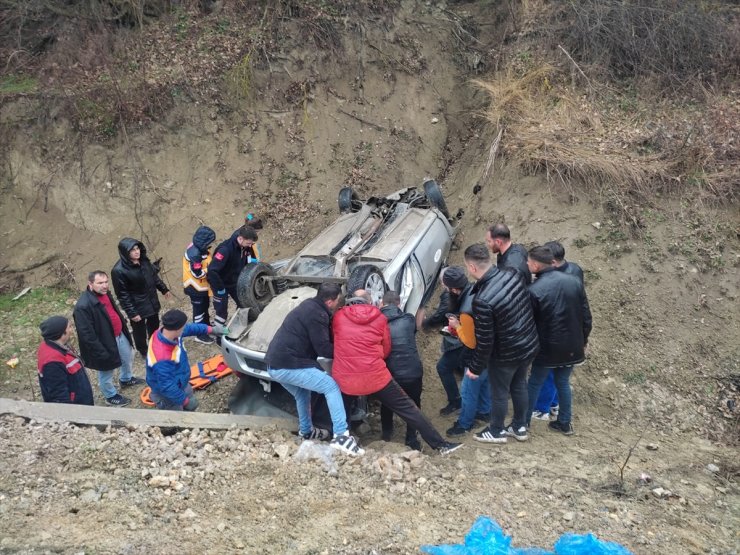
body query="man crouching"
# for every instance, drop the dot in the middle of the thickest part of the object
(167, 365)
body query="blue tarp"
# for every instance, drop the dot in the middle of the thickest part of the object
(487, 538)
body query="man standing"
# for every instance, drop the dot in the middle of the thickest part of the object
(167, 365)
(105, 343)
(291, 361)
(403, 363)
(559, 261)
(194, 271)
(223, 272)
(548, 404)
(362, 342)
(509, 255)
(449, 363)
(62, 377)
(563, 320)
(136, 281)
(506, 342)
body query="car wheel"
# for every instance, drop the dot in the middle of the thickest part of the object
(253, 287)
(369, 278)
(348, 201)
(435, 197)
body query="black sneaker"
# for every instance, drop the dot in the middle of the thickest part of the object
(451, 408)
(317, 434)
(386, 435)
(132, 382)
(563, 427)
(448, 447)
(347, 444)
(457, 430)
(481, 417)
(413, 443)
(117, 400)
(205, 339)
(519, 434)
(486, 435)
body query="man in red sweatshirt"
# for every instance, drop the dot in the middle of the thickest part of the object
(362, 342)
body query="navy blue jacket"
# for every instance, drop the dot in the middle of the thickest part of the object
(62, 377)
(228, 261)
(304, 336)
(563, 318)
(403, 361)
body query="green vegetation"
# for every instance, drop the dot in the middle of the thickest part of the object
(17, 84)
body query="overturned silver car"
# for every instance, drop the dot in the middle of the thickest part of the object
(397, 242)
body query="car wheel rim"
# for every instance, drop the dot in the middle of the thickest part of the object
(374, 285)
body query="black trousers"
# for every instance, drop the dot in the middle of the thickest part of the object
(504, 379)
(142, 331)
(396, 399)
(412, 388)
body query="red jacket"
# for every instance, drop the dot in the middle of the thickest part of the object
(362, 342)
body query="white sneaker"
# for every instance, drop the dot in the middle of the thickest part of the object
(539, 415)
(347, 444)
(554, 411)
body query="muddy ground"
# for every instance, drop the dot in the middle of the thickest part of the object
(397, 106)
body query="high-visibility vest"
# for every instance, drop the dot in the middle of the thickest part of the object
(189, 280)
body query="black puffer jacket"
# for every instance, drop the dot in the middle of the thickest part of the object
(515, 258)
(304, 336)
(98, 345)
(136, 284)
(504, 327)
(563, 318)
(403, 362)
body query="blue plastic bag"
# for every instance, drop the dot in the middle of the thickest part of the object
(587, 544)
(484, 538)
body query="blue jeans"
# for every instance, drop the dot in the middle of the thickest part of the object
(476, 398)
(561, 375)
(105, 377)
(448, 363)
(548, 395)
(300, 382)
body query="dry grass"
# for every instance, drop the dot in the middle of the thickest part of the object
(617, 148)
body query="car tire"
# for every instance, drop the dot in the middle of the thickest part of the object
(348, 201)
(253, 289)
(367, 277)
(435, 197)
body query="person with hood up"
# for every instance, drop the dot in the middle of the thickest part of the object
(194, 279)
(136, 281)
(62, 376)
(403, 363)
(362, 342)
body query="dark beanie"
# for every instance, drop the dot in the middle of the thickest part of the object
(174, 319)
(54, 327)
(454, 277)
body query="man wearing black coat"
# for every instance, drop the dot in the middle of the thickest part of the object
(559, 261)
(136, 281)
(62, 376)
(228, 262)
(563, 320)
(508, 254)
(403, 362)
(105, 342)
(506, 342)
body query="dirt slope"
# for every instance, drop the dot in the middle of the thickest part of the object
(395, 106)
